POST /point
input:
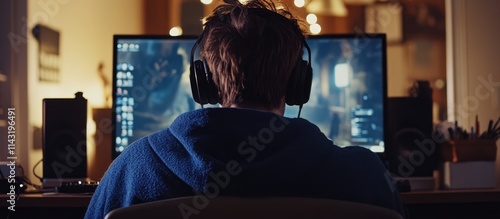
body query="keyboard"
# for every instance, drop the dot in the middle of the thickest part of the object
(78, 187)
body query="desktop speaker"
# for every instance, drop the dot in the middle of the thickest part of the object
(410, 150)
(64, 145)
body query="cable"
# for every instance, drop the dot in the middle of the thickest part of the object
(300, 109)
(34, 167)
(27, 180)
(1, 174)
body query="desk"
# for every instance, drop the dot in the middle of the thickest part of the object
(51, 200)
(450, 196)
(452, 204)
(419, 204)
(50, 205)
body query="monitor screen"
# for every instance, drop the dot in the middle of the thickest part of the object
(348, 93)
(151, 87)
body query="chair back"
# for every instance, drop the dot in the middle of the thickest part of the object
(201, 207)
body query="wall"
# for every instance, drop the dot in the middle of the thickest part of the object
(418, 55)
(86, 37)
(156, 20)
(13, 56)
(473, 64)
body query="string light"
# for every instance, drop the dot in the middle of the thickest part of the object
(175, 31)
(315, 28)
(299, 3)
(311, 18)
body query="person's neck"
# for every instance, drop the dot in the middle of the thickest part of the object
(279, 111)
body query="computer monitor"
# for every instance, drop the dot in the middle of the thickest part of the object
(151, 87)
(348, 95)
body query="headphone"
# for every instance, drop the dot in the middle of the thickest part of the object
(298, 90)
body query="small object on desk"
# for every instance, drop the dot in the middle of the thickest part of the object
(414, 183)
(403, 185)
(465, 135)
(450, 131)
(468, 163)
(477, 133)
(77, 187)
(496, 123)
(469, 150)
(490, 126)
(468, 175)
(493, 132)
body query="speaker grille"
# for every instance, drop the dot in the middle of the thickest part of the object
(409, 148)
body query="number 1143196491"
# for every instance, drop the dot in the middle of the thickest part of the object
(11, 132)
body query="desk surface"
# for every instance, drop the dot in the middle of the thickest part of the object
(451, 196)
(408, 198)
(49, 200)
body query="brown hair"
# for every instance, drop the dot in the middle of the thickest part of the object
(251, 49)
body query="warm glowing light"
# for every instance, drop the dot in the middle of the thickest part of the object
(341, 75)
(206, 2)
(315, 28)
(175, 31)
(327, 7)
(311, 18)
(439, 83)
(299, 3)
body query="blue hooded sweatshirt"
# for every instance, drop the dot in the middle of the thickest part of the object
(239, 152)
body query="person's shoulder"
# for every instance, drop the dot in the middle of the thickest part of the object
(359, 151)
(156, 137)
(142, 146)
(361, 157)
(364, 152)
(301, 124)
(191, 118)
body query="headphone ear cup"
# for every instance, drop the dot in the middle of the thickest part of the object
(291, 92)
(299, 84)
(197, 77)
(307, 83)
(212, 92)
(202, 85)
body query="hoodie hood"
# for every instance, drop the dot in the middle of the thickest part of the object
(217, 145)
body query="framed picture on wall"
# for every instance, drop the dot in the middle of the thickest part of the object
(48, 53)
